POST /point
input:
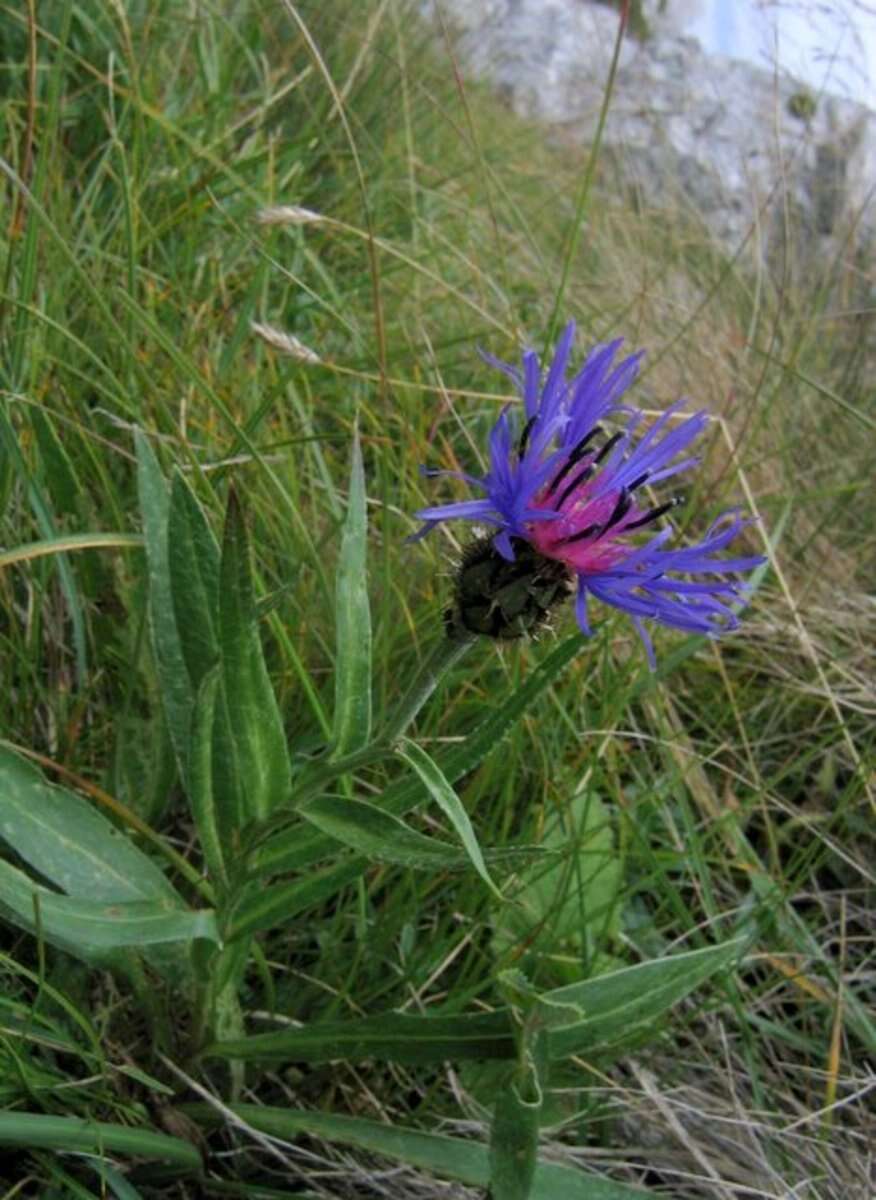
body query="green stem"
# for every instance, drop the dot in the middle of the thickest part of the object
(587, 181)
(313, 779)
(151, 1002)
(444, 655)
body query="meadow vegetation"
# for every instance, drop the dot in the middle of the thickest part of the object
(728, 795)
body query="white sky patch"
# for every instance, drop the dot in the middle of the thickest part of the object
(828, 44)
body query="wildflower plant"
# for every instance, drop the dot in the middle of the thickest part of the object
(261, 820)
(564, 500)
(281, 834)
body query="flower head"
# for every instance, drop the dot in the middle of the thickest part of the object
(565, 501)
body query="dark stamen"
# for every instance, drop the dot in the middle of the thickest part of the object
(576, 482)
(608, 447)
(581, 446)
(524, 437)
(620, 510)
(580, 535)
(637, 483)
(576, 454)
(655, 513)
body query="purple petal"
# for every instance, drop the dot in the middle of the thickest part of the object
(555, 385)
(531, 382)
(581, 608)
(667, 472)
(502, 542)
(646, 642)
(512, 372)
(471, 480)
(471, 510)
(421, 533)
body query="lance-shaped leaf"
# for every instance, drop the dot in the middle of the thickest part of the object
(514, 1136)
(202, 794)
(255, 749)
(70, 842)
(518, 1105)
(623, 1006)
(193, 555)
(379, 835)
(72, 923)
(259, 907)
(450, 804)
(390, 1037)
(448, 1157)
(352, 715)
(177, 693)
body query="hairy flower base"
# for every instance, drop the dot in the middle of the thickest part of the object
(504, 599)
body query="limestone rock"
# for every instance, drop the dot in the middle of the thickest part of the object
(726, 140)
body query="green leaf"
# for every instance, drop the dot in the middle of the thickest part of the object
(193, 557)
(623, 1006)
(464, 758)
(448, 1157)
(379, 835)
(144, 768)
(352, 715)
(37, 1130)
(450, 804)
(259, 908)
(514, 1137)
(289, 851)
(257, 743)
(69, 842)
(296, 849)
(60, 474)
(390, 1037)
(177, 693)
(200, 784)
(571, 901)
(92, 926)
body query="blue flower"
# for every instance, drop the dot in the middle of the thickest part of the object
(564, 500)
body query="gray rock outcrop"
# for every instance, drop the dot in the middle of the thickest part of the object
(731, 143)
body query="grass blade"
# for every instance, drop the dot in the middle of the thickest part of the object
(38, 1130)
(259, 908)
(65, 542)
